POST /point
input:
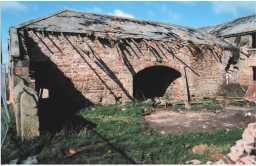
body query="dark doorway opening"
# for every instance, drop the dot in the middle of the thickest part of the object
(254, 40)
(153, 81)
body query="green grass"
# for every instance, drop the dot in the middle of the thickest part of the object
(122, 137)
(243, 103)
(209, 104)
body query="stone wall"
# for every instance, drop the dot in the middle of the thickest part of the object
(102, 70)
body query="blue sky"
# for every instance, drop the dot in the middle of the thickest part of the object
(187, 13)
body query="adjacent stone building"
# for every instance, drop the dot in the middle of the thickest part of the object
(241, 33)
(71, 60)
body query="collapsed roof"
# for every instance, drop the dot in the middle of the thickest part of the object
(243, 25)
(69, 21)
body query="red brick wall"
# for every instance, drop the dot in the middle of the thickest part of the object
(88, 69)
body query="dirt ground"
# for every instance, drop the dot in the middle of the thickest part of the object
(199, 121)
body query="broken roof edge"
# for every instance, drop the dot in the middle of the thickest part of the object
(32, 21)
(25, 25)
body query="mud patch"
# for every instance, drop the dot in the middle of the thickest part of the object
(199, 121)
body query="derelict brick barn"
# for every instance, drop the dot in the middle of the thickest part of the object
(71, 60)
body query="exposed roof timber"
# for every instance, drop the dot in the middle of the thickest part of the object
(122, 36)
(102, 34)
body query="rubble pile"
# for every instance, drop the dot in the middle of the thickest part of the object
(244, 151)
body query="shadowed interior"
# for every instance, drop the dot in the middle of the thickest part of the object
(153, 81)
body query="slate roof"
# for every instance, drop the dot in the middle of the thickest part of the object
(241, 25)
(71, 21)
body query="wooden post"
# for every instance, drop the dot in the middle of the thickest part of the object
(187, 102)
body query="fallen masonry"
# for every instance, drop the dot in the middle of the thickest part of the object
(244, 151)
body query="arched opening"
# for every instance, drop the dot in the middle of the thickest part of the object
(153, 81)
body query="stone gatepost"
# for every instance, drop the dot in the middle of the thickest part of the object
(25, 98)
(29, 114)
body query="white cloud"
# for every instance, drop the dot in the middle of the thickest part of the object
(120, 13)
(233, 8)
(116, 12)
(12, 5)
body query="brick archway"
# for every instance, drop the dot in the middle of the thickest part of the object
(153, 81)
